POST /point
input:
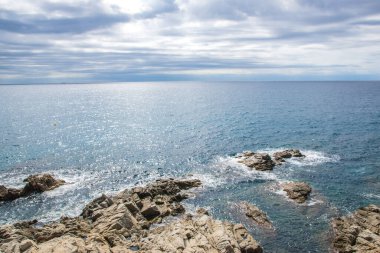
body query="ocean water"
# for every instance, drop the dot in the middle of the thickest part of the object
(108, 137)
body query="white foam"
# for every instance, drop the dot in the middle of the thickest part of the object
(313, 202)
(209, 180)
(371, 195)
(230, 167)
(312, 157)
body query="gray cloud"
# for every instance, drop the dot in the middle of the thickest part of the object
(188, 39)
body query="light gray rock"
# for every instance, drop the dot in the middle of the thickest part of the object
(359, 232)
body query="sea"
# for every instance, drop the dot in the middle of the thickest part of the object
(103, 138)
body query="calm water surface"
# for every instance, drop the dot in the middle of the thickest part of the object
(107, 137)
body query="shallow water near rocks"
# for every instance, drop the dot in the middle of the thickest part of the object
(108, 137)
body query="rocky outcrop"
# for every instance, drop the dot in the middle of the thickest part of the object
(263, 161)
(200, 233)
(255, 214)
(258, 161)
(279, 157)
(359, 232)
(123, 223)
(297, 191)
(34, 184)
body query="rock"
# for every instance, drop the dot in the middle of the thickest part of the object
(255, 214)
(9, 194)
(122, 223)
(359, 232)
(35, 184)
(280, 157)
(40, 183)
(150, 212)
(258, 161)
(200, 233)
(297, 191)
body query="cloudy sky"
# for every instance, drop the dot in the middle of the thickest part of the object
(43, 41)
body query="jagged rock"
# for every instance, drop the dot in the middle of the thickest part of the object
(255, 214)
(297, 191)
(279, 157)
(200, 233)
(359, 232)
(35, 184)
(122, 223)
(258, 161)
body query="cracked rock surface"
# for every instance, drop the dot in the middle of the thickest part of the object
(132, 221)
(359, 232)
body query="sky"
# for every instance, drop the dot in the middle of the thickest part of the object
(49, 41)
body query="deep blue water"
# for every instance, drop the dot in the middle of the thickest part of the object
(106, 137)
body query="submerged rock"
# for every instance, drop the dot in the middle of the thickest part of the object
(359, 232)
(258, 161)
(34, 184)
(255, 214)
(280, 157)
(123, 223)
(297, 191)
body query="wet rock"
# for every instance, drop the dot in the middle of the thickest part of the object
(297, 191)
(258, 161)
(34, 184)
(9, 194)
(255, 214)
(279, 157)
(122, 223)
(41, 183)
(358, 232)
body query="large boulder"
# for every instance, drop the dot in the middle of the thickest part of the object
(34, 184)
(297, 191)
(258, 161)
(256, 215)
(123, 223)
(358, 232)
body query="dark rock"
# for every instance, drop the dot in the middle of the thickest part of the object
(258, 161)
(40, 183)
(280, 157)
(9, 194)
(150, 212)
(35, 184)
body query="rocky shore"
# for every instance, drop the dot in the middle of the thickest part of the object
(152, 219)
(132, 221)
(359, 232)
(34, 184)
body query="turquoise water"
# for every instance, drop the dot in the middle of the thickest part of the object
(107, 137)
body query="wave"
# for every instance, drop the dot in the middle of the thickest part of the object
(312, 157)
